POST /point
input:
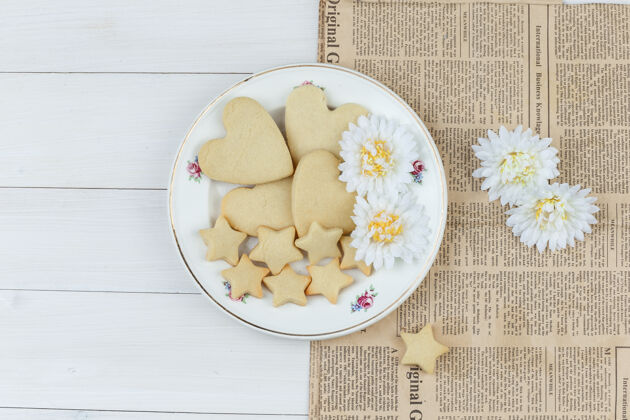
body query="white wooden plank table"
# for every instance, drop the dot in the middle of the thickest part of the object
(98, 319)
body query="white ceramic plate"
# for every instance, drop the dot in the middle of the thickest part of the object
(194, 203)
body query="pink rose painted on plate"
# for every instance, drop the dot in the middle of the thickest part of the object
(194, 170)
(418, 171)
(364, 301)
(309, 82)
(229, 293)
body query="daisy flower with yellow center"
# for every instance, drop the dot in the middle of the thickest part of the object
(378, 156)
(388, 228)
(513, 163)
(553, 216)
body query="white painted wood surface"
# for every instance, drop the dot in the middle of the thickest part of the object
(36, 414)
(98, 319)
(98, 130)
(142, 351)
(89, 240)
(155, 35)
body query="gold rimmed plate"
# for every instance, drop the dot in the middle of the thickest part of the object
(194, 203)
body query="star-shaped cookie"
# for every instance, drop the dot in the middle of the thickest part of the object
(327, 280)
(245, 278)
(320, 243)
(349, 257)
(422, 349)
(288, 286)
(275, 248)
(222, 241)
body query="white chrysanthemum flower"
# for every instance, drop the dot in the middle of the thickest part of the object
(378, 156)
(513, 163)
(388, 228)
(555, 215)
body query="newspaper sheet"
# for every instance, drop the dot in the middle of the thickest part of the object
(532, 336)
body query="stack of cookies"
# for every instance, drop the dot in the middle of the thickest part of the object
(297, 202)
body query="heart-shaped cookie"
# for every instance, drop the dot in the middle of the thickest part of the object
(264, 205)
(253, 150)
(311, 125)
(317, 194)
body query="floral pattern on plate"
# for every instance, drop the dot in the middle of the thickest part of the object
(418, 171)
(194, 170)
(229, 293)
(309, 82)
(364, 301)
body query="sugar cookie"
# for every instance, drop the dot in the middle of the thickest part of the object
(318, 195)
(327, 280)
(245, 278)
(287, 287)
(311, 125)
(222, 241)
(275, 248)
(349, 257)
(253, 150)
(422, 349)
(264, 205)
(320, 243)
